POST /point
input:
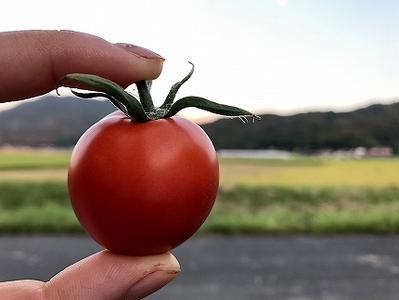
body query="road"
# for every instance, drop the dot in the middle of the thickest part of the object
(248, 267)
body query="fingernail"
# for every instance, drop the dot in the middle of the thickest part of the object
(151, 283)
(140, 51)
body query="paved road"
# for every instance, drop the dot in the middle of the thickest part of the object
(272, 267)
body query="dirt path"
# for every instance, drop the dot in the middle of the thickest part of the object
(40, 174)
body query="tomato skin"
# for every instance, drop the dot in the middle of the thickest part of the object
(143, 188)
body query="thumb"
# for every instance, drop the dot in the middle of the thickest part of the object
(111, 276)
(102, 276)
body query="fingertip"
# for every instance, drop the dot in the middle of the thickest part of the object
(106, 275)
(140, 51)
(33, 61)
(167, 269)
(122, 63)
(170, 260)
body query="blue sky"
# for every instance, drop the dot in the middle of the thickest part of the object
(279, 56)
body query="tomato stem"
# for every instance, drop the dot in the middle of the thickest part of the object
(143, 109)
(173, 91)
(145, 95)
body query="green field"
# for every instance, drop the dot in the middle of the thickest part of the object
(299, 195)
(310, 172)
(34, 159)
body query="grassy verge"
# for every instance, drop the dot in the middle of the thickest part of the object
(281, 210)
(44, 207)
(28, 207)
(299, 195)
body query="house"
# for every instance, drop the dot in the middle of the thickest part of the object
(379, 152)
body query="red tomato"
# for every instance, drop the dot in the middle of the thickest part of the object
(143, 188)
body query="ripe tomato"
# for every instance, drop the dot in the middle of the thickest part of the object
(142, 180)
(142, 188)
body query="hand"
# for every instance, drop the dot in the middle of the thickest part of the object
(33, 61)
(102, 276)
(31, 64)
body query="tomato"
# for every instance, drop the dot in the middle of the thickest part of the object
(142, 180)
(142, 188)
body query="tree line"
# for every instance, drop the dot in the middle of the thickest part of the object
(373, 126)
(60, 121)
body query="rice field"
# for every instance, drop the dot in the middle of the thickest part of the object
(310, 172)
(298, 195)
(30, 159)
(296, 172)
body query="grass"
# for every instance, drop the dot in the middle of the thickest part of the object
(310, 172)
(300, 195)
(269, 209)
(34, 159)
(34, 164)
(44, 207)
(36, 207)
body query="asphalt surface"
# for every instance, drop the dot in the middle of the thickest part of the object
(259, 267)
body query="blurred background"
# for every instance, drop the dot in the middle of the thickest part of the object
(322, 161)
(270, 56)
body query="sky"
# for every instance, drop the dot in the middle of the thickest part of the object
(267, 56)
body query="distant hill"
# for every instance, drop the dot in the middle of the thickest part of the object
(60, 121)
(50, 121)
(376, 125)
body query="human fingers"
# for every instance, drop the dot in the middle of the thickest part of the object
(32, 62)
(102, 276)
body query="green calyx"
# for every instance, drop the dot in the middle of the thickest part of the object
(142, 109)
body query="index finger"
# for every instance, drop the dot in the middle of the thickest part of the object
(33, 61)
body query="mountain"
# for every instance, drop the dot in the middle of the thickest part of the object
(50, 121)
(60, 121)
(376, 125)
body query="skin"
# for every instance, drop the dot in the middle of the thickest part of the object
(184, 159)
(31, 64)
(33, 61)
